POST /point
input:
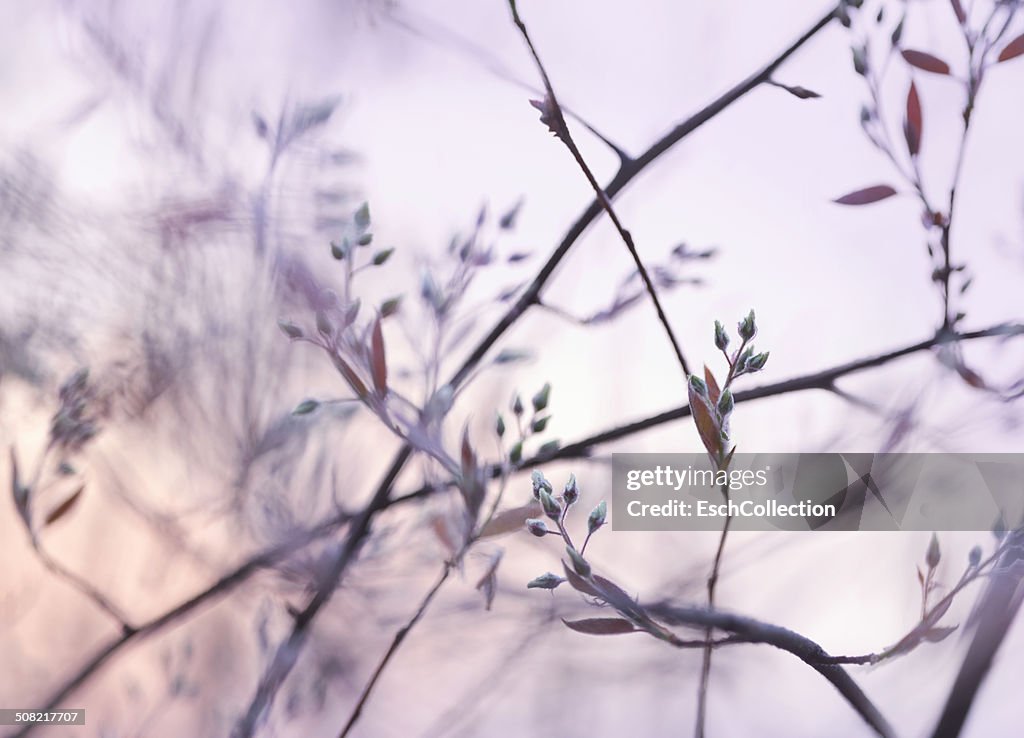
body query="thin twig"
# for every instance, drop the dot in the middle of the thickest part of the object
(552, 115)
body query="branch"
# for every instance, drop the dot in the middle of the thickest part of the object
(551, 114)
(803, 648)
(381, 499)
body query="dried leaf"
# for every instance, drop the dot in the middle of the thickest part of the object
(600, 626)
(378, 361)
(510, 521)
(925, 61)
(866, 196)
(65, 507)
(913, 127)
(1013, 49)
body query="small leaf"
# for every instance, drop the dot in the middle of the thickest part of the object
(362, 217)
(508, 221)
(958, 9)
(914, 124)
(378, 361)
(305, 407)
(866, 196)
(600, 626)
(1013, 49)
(510, 521)
(540, 400)
(65, 507)
(925, 61)
(934, 553)
(289, 329)
(390, 307)
(382, 256)
(938, 634)
(797, 91)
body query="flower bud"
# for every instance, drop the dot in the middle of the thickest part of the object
(721, 337)
(545, 581)
(578, 562)
(551, 506)
(571, 492)
(597, 517)
(747, 327)
(537, 527)
(725, 403)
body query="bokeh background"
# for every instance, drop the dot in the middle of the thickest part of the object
(149, 232)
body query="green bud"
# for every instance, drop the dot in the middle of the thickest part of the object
(289, 329)
(381, 256)
(539, 483)
(551, 506)
(860, 60)
(597, 517)
(548, 449)
(537, 527)
(362, 217)
(747, 327)
(698, 386)
(545, 581)
(721, 337)
(540, 400)
(516, 454)
(340, 250)
(517, 405)
(499, 426)
(390, 307)
(305, 407)
(571, 493)
(974, 557)
(539, 424)
(578, 562)
(725, 402)
(365, 240)
(756, 363)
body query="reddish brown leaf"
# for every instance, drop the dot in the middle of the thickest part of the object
(914, 125)
(866, 196)
(65, 507)
(510, 521)
(706, 425)
(349, 374)
(378, 361)
(1013, 49)
(712, 383)
(925, 61)
(600, 626)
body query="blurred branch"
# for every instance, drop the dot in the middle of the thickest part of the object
(754, 631)
(995, 613)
